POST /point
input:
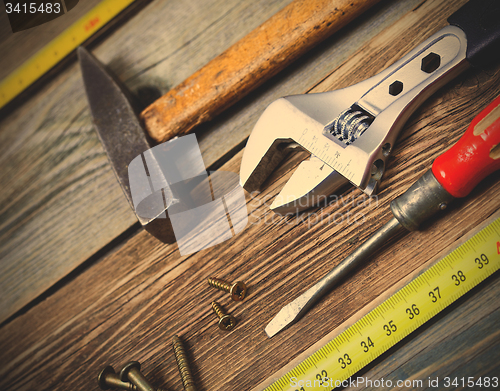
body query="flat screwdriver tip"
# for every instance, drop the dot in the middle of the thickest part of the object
(284, 318)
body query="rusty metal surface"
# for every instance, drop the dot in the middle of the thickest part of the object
(114, 115)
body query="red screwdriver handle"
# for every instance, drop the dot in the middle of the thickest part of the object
(474, 156)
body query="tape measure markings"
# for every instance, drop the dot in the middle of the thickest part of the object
(406, 310)
(47, 57)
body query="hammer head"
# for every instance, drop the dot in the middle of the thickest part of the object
(114, 114)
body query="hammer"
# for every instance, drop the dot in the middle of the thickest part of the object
(243, 67)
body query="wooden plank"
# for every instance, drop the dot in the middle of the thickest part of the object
(131, 309)
(297, 78)
(54, 167)
(129, 304)
(261, 54)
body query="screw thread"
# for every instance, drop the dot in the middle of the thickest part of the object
(183, 364)
(131, 387)
(132, 372)
(115, 382)
(219, 284)
(217, 309)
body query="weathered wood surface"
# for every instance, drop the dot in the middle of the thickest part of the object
(127, 305)
(465, 320)
(60, 201)
(261, 54)
(54, 167)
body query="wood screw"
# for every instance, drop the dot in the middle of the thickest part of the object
(183, 364)
(226, 322)
(238, 290)
(108, 379)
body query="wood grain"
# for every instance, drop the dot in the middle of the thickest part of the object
(130, 303)
(247, 64)
(60, 201)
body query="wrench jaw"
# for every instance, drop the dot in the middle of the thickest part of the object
(252, 180)
(285, 121)
(278, 126)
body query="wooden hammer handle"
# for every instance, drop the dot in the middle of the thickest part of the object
(247, 64)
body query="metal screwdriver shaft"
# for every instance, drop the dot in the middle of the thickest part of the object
(297, 308)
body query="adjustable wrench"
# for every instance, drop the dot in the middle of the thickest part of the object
(453, 175)
(351, 132)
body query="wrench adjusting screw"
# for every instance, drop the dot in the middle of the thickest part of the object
(108, 379)
(238, 290)
(226, 322)
(183, 364)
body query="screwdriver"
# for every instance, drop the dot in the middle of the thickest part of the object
(453, 175)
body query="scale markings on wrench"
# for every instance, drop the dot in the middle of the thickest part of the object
(319, 146)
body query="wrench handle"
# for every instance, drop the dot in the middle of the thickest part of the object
(480, 20)
(475, 156)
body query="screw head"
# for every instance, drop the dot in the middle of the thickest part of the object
(126, 369)
(227, 322)
(238, 291)
(101, 378)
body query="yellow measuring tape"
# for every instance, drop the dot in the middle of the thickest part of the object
(59, 48)
(398, 316)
